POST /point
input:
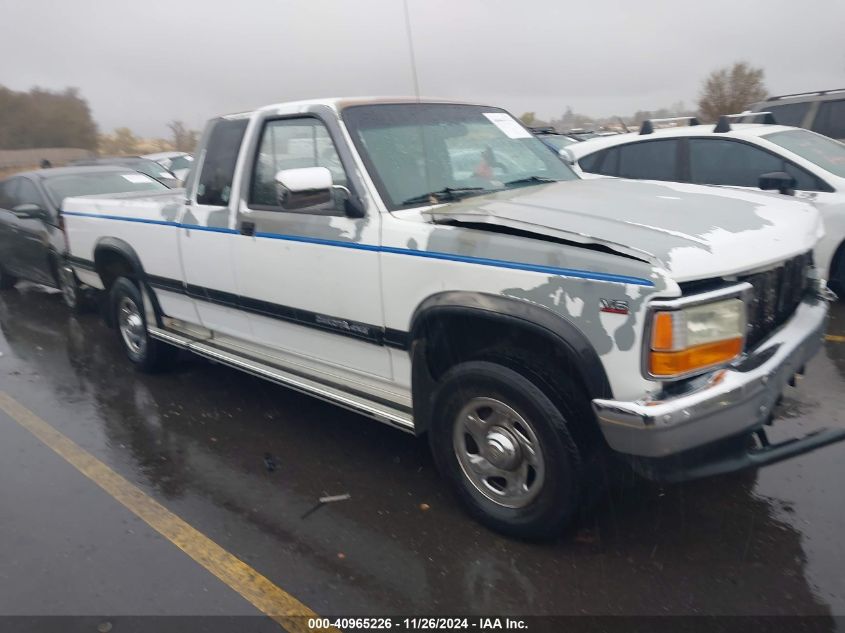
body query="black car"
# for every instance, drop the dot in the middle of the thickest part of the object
(142, 165)
(32, 240)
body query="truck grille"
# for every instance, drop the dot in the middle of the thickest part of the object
(775, 296)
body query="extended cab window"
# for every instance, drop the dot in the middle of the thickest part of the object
(218, 167)
(292, 144)
(724, 162)
(649, 160)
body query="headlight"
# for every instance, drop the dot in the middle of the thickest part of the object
(695, 338)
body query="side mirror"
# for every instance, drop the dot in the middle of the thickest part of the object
(304, 187)
(28, 210)
(779, 180)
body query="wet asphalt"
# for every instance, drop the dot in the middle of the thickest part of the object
(195, 439)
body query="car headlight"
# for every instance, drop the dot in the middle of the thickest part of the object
(695, 338)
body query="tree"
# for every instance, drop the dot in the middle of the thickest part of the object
(44, 118)
(182, 139)
(528, 118)
(730, 90)
(121, 141)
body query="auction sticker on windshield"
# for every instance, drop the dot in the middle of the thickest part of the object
(507, 124)
(137, 178)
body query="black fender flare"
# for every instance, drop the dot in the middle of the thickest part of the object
(122, 248)
(125, 250)
(511, 311)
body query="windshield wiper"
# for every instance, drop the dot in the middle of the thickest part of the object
(531, 180)
(447, 193)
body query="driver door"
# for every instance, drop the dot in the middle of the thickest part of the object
(34, 232)
(309, 277)
(8, 226)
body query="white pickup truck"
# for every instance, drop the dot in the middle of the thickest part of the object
(434, 266)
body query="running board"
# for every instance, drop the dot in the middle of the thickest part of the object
(358, 404)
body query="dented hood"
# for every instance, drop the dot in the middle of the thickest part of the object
(692, 231)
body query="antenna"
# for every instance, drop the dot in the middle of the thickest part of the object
(411, 50)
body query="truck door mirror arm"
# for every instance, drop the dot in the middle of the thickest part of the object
(313, 186)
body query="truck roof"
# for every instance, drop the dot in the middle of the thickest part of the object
(339, 103)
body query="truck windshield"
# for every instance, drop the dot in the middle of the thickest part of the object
(425, 153)
(824, 152)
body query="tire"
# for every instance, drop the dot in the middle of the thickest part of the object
(146, 353)
(837, 276)
(486, 418)
(7, 281)
(73, 294)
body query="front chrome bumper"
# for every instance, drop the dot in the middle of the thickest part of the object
(733, 401)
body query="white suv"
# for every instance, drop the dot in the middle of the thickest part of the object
(804, 164)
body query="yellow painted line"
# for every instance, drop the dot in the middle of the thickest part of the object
(255, 588)
(835, 338)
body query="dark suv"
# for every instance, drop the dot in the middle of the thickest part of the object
(822, 112)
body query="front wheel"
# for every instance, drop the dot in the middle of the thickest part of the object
(506, 450)
(146, 353)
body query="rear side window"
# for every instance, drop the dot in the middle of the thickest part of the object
(787, 114)
(218, 168)
(649, 160)
(724, 162)
(590, 163)
(830, 119)
(605, 162)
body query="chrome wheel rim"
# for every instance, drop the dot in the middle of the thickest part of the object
(499, 452)
(68, 287)
(131, 325)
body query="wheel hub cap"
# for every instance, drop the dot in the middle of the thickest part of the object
(499, 452)
(132, 326)
(502, 449)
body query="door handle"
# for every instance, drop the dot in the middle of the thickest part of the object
(247, 228)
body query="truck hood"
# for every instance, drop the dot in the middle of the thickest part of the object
(692, 231)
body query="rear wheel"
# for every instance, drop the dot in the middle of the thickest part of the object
(146, 353)
(506, 449)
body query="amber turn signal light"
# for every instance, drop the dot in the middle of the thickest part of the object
(666, 364)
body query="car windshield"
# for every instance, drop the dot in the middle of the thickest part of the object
(820, 150)
(424, 153)
(558, 141)
(81, 184)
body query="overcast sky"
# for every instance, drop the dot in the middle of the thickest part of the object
(143, 63)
